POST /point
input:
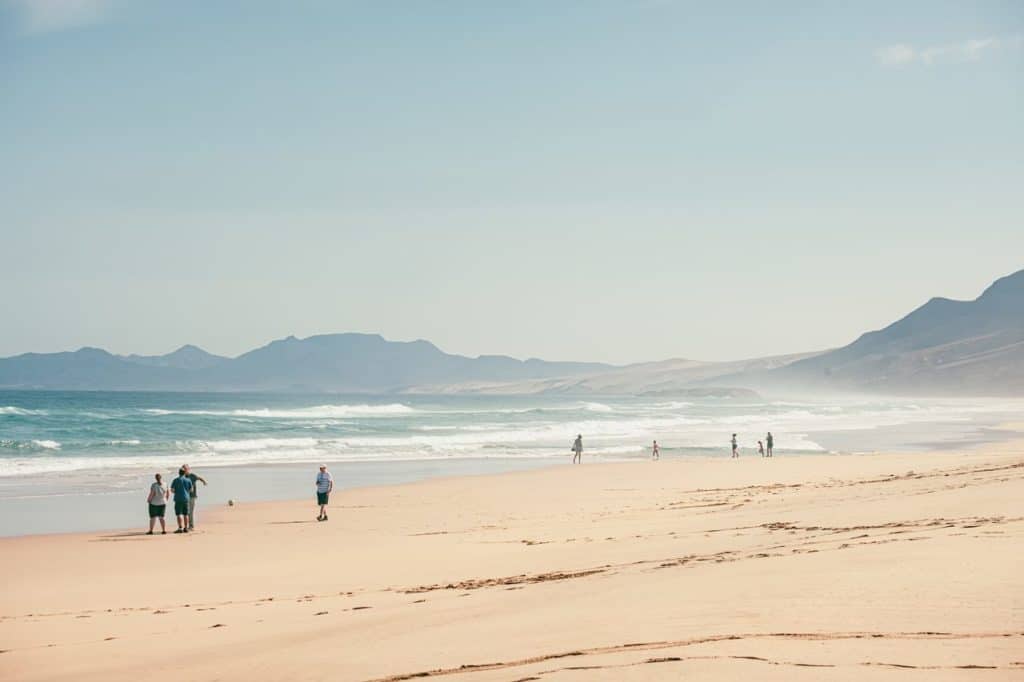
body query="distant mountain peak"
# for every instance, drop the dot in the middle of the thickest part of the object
(1011, 285)
(188, 356)
(944, 346)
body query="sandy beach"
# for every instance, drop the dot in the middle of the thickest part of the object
(903, 566)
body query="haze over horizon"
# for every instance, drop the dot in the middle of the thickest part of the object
(601, 181)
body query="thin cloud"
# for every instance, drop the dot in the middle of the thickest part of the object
(972, 50)
(47, 16)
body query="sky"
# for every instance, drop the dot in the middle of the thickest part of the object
(602, 180)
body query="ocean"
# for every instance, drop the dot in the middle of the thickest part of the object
(107, 445)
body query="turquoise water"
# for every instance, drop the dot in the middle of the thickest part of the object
(46, 432)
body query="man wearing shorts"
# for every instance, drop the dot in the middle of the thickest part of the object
(324, 486)
(182, 489)
(196, 480)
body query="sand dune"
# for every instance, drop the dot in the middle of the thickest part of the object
(830, 567)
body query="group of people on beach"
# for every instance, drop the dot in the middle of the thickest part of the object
(769, 440)
(184, 487)
(577, 448)
(185, 492)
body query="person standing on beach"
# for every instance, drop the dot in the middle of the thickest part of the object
(324, 486)
(655, 451)
(735, 450)
(760, 448)
(157, 501)
(770, 442)
(182, 489)
(577, 450)
(194, 496)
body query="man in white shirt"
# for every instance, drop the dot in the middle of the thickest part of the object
(324, 486)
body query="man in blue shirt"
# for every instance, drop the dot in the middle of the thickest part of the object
(182, 489)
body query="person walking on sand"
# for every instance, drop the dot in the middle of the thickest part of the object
(655, 451)
(770, 442)
(182, 489)
(157, 501)
(760, 448)
(194, 496)
(735, 449)
(324, 486)
(577, 450)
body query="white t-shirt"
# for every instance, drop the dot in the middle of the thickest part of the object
(157, 494)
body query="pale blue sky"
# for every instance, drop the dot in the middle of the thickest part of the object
(604, 180)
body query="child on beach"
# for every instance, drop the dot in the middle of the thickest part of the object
(655, 451)
(760, 448)
(735, 450)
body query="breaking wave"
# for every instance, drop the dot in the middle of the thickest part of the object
(19, 411)
(317, 412)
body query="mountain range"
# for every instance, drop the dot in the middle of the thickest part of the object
(944, 347)
(351, 363)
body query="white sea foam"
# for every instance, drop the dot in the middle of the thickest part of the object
(46, 444)
(251, 445)
(19, 411)
(597, 407)
(317, 412)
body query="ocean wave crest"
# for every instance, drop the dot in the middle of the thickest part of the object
(30, 444)
(316, 412)
(19, 411)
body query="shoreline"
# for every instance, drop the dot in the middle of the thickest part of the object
(698, 565)
(54, 506)
(55, 512)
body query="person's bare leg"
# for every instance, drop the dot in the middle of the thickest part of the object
(163, 525)
(152, 522)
